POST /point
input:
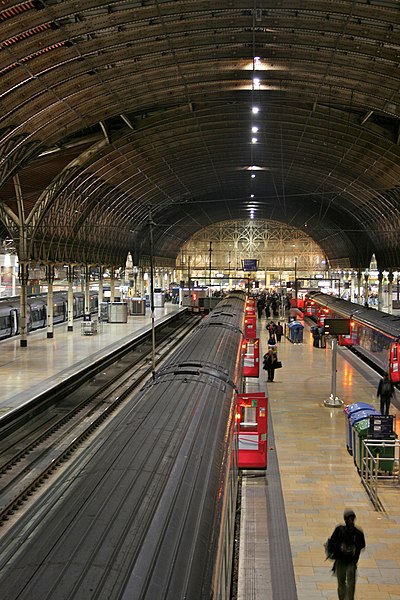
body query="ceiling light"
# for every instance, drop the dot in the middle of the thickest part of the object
(254, 129)
(252, 175)
(251, 195)
(256, 81)
(255, 110)
(254, 140)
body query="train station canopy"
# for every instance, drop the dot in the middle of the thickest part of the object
(186, 113)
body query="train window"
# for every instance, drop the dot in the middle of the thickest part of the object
(5, 322)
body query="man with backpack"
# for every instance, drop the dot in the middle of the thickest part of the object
(385, 392)
(344, 547)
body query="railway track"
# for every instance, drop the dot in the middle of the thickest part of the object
(32, 454)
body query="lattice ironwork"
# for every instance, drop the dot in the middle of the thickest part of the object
(276, 247)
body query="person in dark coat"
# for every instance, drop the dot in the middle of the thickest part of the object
(260, 307)
(385, 392)
(315, 332)
(346, 543)
(322, 336)
(278, 331)
(270, 360)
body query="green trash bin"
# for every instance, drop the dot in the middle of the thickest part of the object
(360, 433)
(386, 456)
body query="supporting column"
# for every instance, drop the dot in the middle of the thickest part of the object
(87, 289)
(135, 281)
(70, 278)
(390, 293)
(23, 307)
(380, 290)
(333, 401)
(352, 287)
(100, 297)
(50, 303)
(359, 277)
(153, 334)
(112, 284)
(366, 277)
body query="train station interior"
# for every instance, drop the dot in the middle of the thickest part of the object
(156, 155)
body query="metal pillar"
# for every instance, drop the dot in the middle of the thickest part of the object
(153, 331)
(352, 287)
(86, 271)
(100, 296)
(50, 302)
(380, 290)
(359, 277)
(112, 284)
(70, 278)
(23, 327)
(210, 263)
(333, 401)
(366, 277)
(390, 293)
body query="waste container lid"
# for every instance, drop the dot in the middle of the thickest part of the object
(362, 414)
(355, 407)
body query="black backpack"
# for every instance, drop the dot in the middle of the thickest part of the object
(329, 552)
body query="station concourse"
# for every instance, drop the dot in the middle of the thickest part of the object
(311, 478)
(288, 513)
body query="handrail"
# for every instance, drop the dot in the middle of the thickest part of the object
(376, 466)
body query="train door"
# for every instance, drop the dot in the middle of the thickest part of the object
(394, 352)
(252, 427)
(250, 327)
(251, 357)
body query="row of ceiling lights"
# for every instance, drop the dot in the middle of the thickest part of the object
(254, 128)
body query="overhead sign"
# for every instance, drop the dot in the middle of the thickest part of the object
(337, 326)
(250, 264)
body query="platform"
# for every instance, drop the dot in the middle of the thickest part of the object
(26, 372)
(311, 479)
(287, 515)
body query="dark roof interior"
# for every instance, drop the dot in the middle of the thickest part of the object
(110, 110)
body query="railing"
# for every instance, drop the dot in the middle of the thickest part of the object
(380, 463)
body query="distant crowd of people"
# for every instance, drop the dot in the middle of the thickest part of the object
(269, 303)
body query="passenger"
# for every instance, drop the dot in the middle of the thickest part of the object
(270, 360)
(345, 546)
(322, 337)
(260, 307)
(279, 331)
(385, 392)
(315, 332)
(272, 345)
(267, 311)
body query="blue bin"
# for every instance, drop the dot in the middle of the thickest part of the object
(350, 411)
(296, 332)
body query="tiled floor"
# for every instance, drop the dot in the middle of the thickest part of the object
(318, 476)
